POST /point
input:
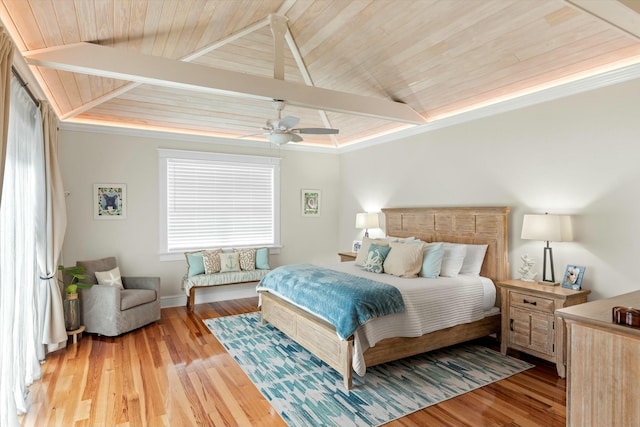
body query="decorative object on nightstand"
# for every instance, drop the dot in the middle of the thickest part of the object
(347, 256)
(548, 228)
(356, 246)
(526, 270)
(528, 319)
(367, 220)
(572, 278)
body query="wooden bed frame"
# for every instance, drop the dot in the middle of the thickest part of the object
(473, 225)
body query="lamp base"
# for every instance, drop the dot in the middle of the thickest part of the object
(542, 282)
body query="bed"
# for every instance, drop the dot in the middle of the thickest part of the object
(468, 225)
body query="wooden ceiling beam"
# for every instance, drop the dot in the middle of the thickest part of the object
(621, 14)
(188, 58)
(124, 64)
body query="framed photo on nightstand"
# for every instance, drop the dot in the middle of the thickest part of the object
(572, 278)
(355, 247)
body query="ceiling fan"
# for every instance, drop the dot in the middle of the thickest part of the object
(281, 131)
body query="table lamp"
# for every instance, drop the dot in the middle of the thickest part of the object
(367, 220)
(548, 228)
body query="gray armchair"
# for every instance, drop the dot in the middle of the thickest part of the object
(110, 311)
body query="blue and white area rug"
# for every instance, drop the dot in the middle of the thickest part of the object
(305, 391)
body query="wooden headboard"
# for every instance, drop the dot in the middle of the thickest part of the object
(476, 225)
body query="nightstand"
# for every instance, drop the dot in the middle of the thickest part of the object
(347, 256)
(529, 323)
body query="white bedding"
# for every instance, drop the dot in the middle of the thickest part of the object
(450, 301)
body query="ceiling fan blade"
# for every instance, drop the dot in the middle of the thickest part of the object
(251, 134)
(289, 122)
(296, 138)
(317, 131)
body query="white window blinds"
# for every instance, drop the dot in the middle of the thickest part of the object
(218, 200)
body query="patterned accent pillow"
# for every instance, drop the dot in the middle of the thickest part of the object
(375, 258)
(247, 258)
(212, 261)
(110, 278)
(230, 261)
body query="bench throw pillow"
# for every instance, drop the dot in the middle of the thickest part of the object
(262, 259)
(247, 259)
(212, 261)
(195, 263)
(229, 261)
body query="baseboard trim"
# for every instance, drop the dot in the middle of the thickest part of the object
(212, 294)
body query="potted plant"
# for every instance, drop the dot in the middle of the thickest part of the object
(71, 304)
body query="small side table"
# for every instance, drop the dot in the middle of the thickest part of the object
(77, 334)
(347, 256)
(529, 323)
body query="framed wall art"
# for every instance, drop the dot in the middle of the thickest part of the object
(572, 278)
(109, 201)
(310, 202)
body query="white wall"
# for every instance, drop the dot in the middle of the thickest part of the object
(88, 158)
(579, 155)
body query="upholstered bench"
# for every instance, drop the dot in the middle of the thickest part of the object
(219, 268)
(219, 279)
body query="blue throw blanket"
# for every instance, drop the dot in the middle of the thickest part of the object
(344, 300)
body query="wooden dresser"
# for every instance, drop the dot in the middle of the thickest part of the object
(603, 383)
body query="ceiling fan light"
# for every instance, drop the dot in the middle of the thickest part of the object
(279, 138)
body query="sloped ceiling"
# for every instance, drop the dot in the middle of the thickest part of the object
(435, 58)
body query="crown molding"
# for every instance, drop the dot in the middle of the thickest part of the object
(185, 137)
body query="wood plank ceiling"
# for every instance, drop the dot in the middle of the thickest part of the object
(439, 57)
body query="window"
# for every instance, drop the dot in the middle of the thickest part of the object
(211, 200)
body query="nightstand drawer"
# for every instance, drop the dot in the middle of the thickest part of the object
(531, 302)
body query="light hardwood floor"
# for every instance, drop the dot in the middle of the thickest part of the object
(175, 373)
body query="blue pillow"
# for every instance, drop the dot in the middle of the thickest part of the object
(262, 259)
(432, 260)
(375, 258)
(195, 263)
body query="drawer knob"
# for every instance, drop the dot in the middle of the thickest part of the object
(530, 302)
(511, 325)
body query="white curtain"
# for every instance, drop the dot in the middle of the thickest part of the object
(20, 322)
(6, 60)
(51, 226)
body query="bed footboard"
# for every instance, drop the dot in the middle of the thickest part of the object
(315, 335)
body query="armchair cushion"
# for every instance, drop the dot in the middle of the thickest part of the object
(134, 297)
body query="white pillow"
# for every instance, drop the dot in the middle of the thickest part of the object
(452, 259)
(364, 249)
(404, 259)
(473, 260)
(110, 278)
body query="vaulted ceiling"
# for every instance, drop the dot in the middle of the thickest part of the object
(365, 67)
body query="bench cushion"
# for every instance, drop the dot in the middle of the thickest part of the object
(218, 279)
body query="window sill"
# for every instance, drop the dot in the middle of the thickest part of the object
(179, 256)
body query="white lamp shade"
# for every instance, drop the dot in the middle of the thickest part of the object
(552, 228)
(367, 220)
